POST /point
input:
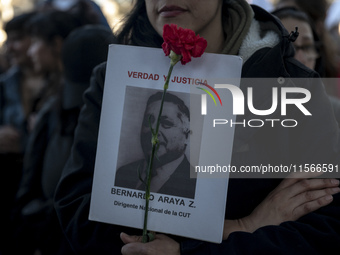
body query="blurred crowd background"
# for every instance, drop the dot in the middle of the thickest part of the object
(113, 10)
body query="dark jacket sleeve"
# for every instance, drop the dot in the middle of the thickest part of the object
(315, 233)
(72, 198)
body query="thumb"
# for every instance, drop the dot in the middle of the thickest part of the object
(130, 239)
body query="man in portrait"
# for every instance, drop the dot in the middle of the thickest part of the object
(171, 168)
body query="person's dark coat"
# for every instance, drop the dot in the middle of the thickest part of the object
(11, 110)
(315, 139)
(50, 143)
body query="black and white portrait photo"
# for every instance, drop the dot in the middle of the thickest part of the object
(171, 166)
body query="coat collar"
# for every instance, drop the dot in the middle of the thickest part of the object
(266, 63)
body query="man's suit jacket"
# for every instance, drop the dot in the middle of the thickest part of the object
(179, 184)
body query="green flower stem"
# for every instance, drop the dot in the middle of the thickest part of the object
(154, 142)
(166, 84)
(147, 195)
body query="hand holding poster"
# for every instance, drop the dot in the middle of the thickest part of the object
(181, 204)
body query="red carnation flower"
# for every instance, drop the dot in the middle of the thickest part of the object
(183, 42)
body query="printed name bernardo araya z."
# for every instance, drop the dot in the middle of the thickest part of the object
(161, 198)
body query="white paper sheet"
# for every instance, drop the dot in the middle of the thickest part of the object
(133, 75)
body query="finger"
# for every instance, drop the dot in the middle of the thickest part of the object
(134, 249)
(303, 186)
(130, 239)
(312, 206)
(312, 184)
(309, 196)
(161, 237)
(296, 177)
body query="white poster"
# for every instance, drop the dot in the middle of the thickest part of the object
(184, 201)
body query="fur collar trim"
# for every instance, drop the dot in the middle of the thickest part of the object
(254, 41)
